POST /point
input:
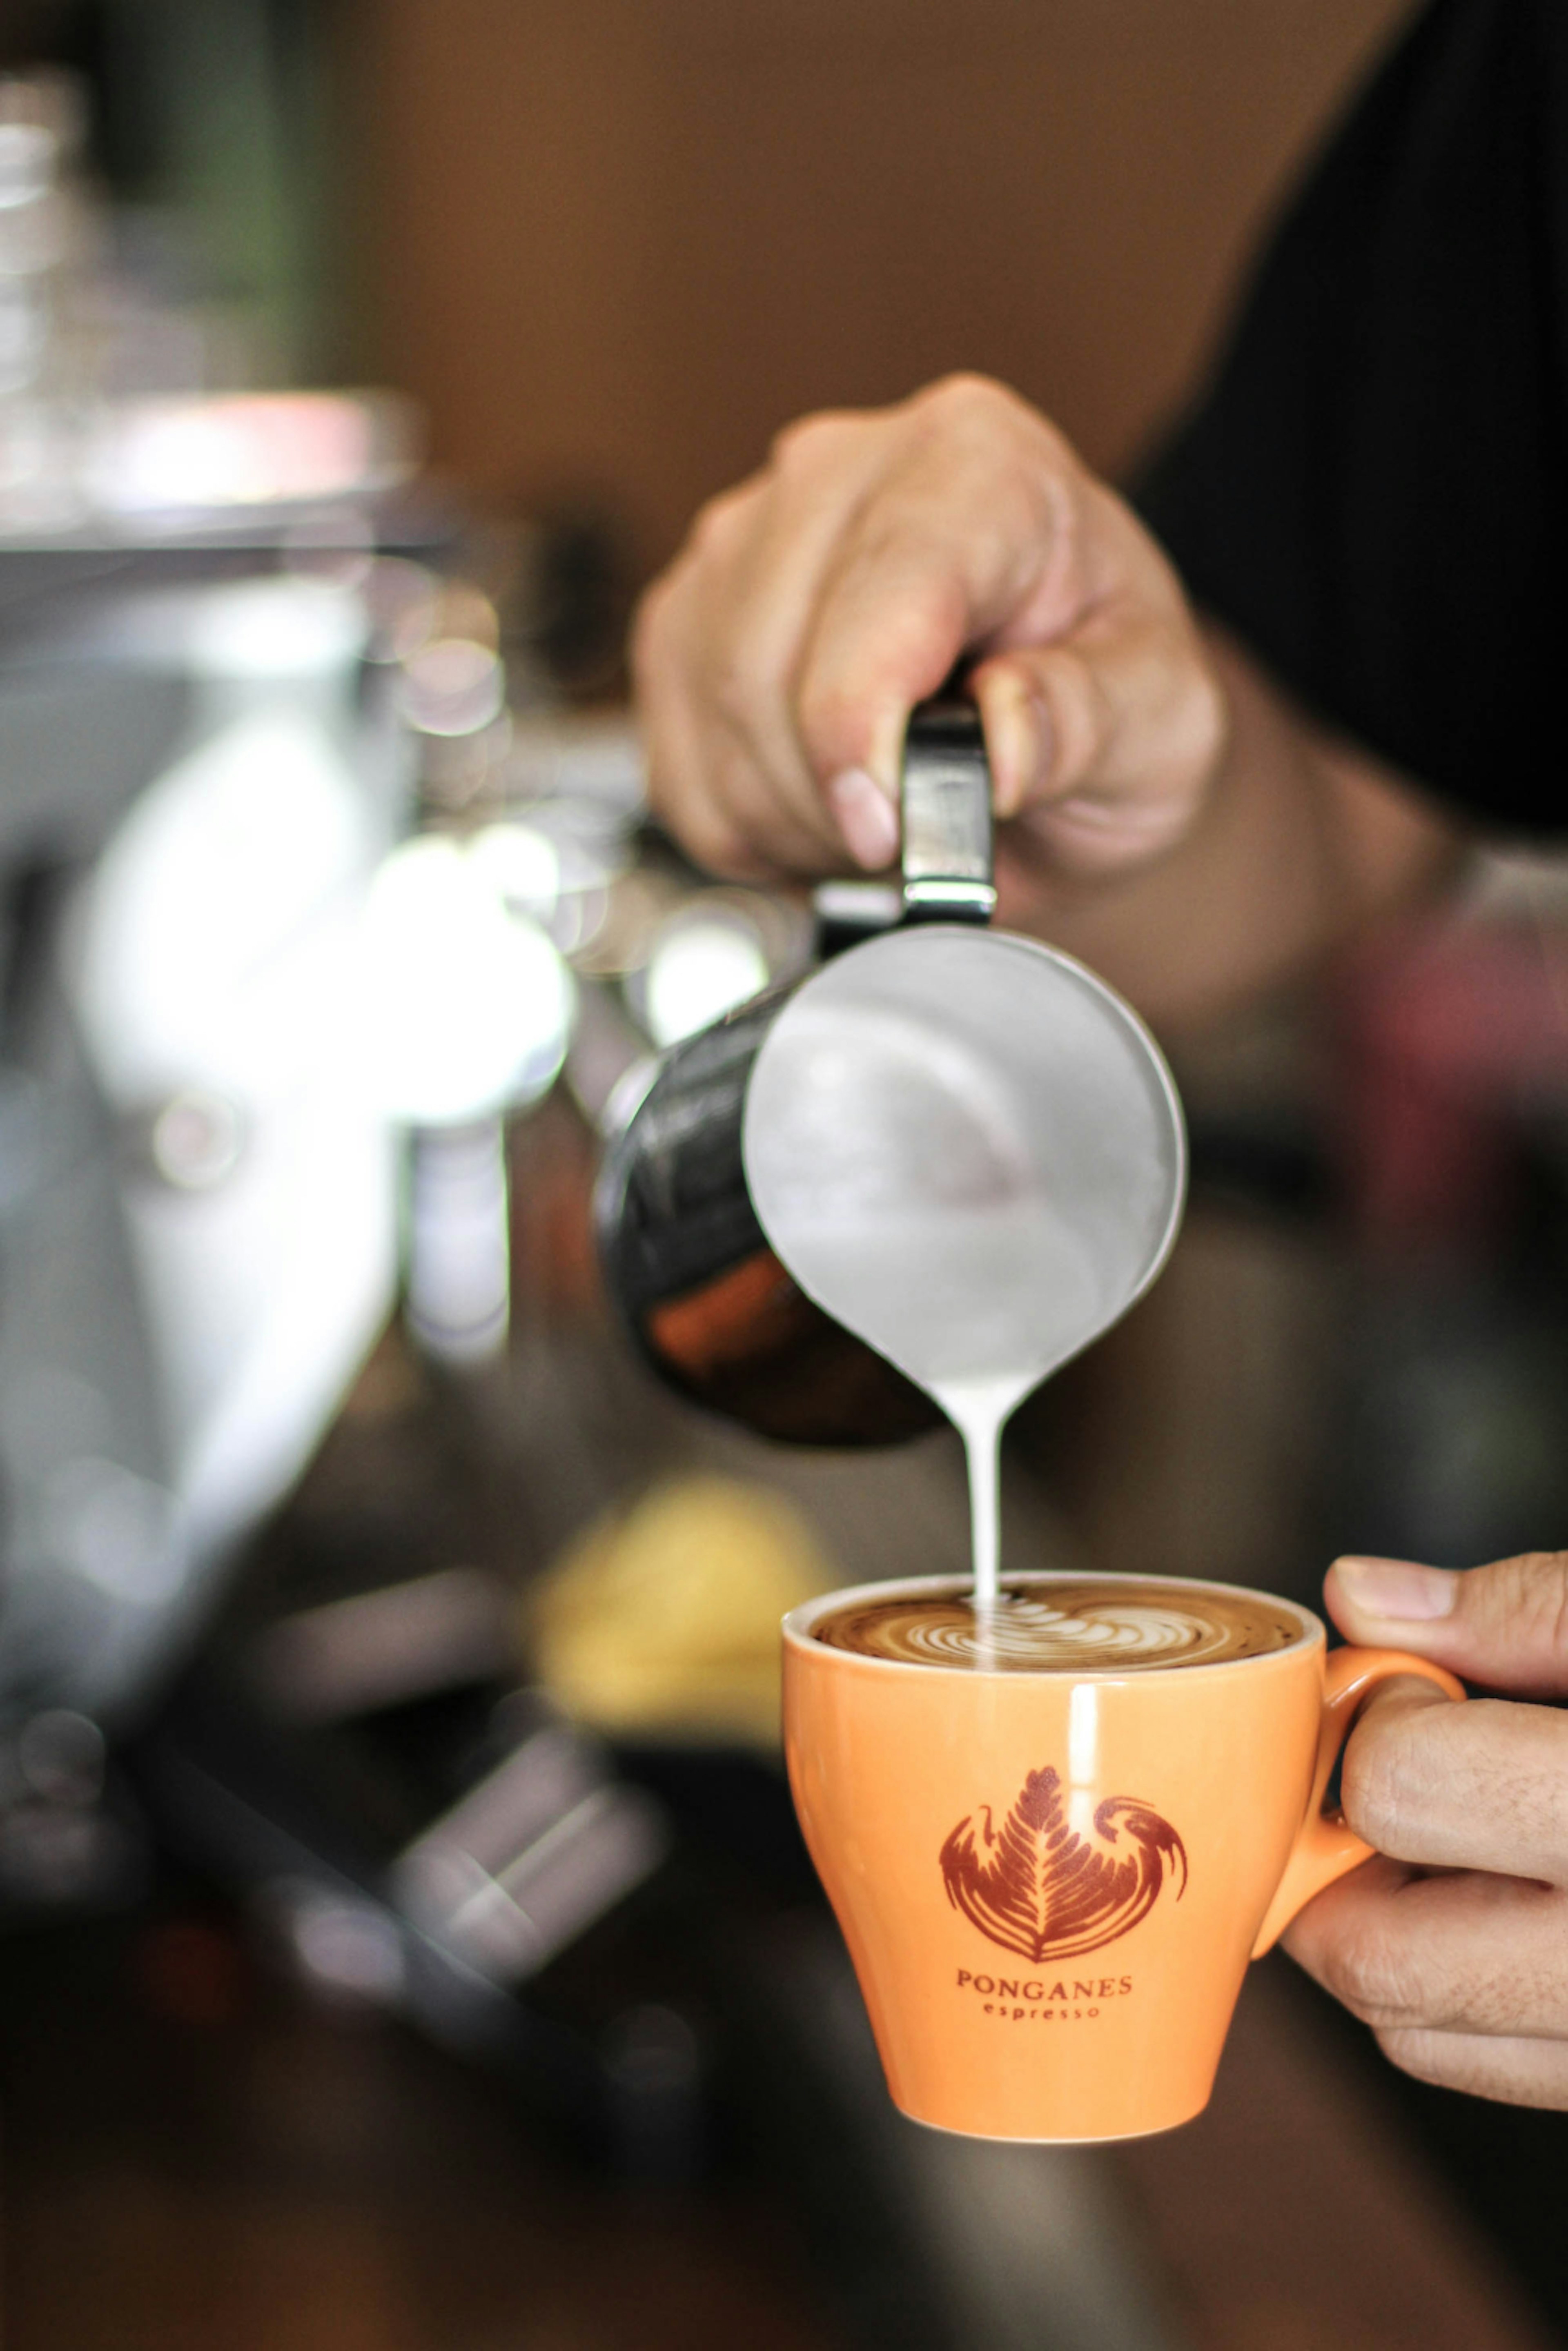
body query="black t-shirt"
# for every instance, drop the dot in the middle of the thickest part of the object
(1374, 492)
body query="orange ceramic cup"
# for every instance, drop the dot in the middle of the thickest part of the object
(1196, 1796)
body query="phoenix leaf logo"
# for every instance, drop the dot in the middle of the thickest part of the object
(1037, 1888)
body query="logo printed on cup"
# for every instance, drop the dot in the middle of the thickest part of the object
(1038, 1888)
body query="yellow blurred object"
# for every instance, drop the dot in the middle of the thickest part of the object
(663, 1619)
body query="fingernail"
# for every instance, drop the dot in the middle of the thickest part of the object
(1397, 1589)
(867, 817)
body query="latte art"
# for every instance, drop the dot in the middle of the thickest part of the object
(1078, 1627)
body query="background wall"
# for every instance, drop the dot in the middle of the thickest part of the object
(614, 243)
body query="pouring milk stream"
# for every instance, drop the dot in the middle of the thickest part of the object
(969, 1151)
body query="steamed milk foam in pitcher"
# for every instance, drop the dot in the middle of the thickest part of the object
(966, 1148)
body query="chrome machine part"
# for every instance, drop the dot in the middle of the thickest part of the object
(199, 1197)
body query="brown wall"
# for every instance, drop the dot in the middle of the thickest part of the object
(618, 242)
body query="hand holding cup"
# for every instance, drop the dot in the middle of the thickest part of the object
(1462, 1974)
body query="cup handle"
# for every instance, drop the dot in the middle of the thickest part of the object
(1325, 1848)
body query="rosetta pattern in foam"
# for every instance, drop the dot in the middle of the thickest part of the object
(1029, 1632)
(1070, 1628)
(1038, 1888)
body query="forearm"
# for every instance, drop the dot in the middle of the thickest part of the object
(1303, 841)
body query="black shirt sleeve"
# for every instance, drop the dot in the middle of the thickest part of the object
(1372, 492)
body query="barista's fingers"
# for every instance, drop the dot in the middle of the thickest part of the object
(716, 646)
(1105, 743)
(1505, 1626)
(1520, 2073)
(887, 636)
(823, 474)
(1121, 742)
(977, 535)
(1462, 1954)
(676, 750)
(683, 785)
(1479, 1786)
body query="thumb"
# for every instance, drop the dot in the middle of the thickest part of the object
(1505, 1627)
(1104, 741)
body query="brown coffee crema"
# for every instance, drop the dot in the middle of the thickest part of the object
(1083, 1625)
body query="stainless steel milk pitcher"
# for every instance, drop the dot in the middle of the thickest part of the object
(687, 1264)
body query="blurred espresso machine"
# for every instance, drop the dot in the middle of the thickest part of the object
(196, 1191)
(198, 1184)
(262, 1015)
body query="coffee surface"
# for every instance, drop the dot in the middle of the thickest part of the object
(1071, 1627)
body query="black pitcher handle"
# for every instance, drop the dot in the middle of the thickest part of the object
(946, 793)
